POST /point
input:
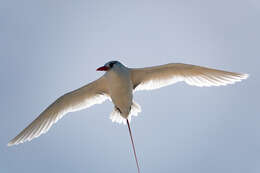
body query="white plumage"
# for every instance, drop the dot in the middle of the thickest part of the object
(115, 116)
(118, 84)
(160, 76)
(93, 93)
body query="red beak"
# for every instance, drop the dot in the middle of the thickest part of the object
(103, 68)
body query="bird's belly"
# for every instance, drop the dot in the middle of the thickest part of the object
(121, 95)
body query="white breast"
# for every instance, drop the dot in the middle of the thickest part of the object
(120, 89)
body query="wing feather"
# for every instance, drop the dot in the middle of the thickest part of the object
(93, 93)
(159, 76)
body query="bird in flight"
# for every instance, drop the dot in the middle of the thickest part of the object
(118, 84)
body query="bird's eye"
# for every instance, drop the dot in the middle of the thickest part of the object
(111, 64)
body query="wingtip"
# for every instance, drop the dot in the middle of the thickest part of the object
(246, 76)
(10, 144)
(243, 76)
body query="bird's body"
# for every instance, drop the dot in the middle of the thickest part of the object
(118, 84)
(120, 89)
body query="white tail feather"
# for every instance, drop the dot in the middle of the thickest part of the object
(115, 115)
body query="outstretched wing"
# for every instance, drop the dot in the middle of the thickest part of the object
(88, 95)
(159, 76)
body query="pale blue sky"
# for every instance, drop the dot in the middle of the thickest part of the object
(49, 48)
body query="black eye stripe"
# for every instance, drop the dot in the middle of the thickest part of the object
(111, 64)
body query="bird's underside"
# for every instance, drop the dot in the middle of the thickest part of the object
(140, 79)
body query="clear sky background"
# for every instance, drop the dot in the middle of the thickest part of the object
(51, 47)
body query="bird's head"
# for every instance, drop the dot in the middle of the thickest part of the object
(109, 65)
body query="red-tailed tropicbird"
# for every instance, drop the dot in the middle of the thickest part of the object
(118, 84)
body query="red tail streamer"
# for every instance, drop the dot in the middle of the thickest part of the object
(133, 145)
